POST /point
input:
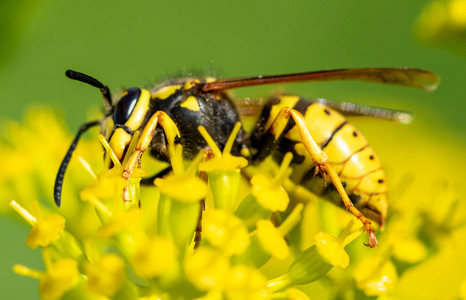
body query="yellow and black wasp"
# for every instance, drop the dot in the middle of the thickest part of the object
(321, 140)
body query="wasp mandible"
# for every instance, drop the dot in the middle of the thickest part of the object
(320, 139)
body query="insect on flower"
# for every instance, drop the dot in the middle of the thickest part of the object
(319, 137)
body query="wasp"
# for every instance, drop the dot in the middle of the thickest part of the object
(322, 142)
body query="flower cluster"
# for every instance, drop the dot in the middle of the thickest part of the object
(206, 231)
(443, 23)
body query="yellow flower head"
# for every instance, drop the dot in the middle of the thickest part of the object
(154, 234)
(331, 250)
(225, 231)
(408, 248)
(269, 191)
(182, 188)
(375, 276)
(269, 194)
(119, 222)
(155, 257)
(44, 230)
(245, 282)
(107, 275)
(295, 294)
(271, 239)
(463, 290)
(222, 161)
(207, 269)
(223, 170)
(60, 277)
(443, 23)
(107, 186)
(457, 13)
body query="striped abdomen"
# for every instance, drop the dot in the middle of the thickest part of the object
(347, 149)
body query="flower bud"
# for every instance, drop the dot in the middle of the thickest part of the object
(308, 267)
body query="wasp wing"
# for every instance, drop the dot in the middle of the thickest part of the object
(400, 76)
(354, 109)
(249, 107)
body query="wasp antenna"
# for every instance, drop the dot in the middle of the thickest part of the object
(94, 82)
(66, 161)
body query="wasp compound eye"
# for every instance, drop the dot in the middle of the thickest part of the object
(126, 105)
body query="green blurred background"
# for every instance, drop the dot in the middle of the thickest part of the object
(132, 43)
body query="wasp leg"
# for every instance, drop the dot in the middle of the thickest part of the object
(150, 180)
(198, 230)
(320, 160)
(171, 133)
(203, 175)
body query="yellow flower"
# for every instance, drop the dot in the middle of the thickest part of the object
(331, 250)
(106, 276)
(154, 257)
(268, 193)
(152, 236)
(222, 161)
(31, 148)
(223, 171)
(119, 222)
(463, 290)
(457, 12)
(109, 185)
(34, 149)
(182, 188)
(245, 282)
(44, 230)
(295, 294)
(225, 231)
(408, 249)
(58, 278)
(443, 23)
(317, 260)
(375, 276)
(271, 239)
(207, 269)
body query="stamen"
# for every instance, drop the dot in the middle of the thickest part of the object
(86, 196)
(109, 151)
(290, 222)
(210, 141)
(132, 146)
(177, 160)
(36, 209)
(86, 166)
(23, 212)
(28, 272)
(353, 235)
(47, 258)
(193, 167)
(231, 138)
(282, 173)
